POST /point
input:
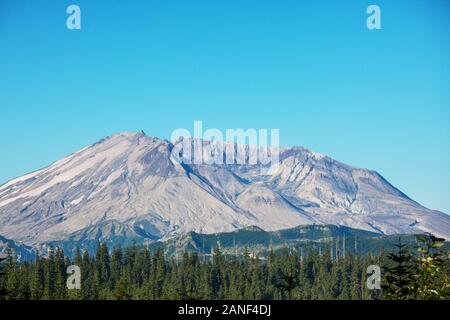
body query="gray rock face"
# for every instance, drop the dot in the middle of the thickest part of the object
(127, 185)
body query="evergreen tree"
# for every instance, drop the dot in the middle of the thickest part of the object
(356, 279)
(36, 288)
(116, 265)
(122, 291)
(288, 279)
(49, 275)
(3, 292)
(12, 276)
(400, 274)
(102, 267)
(137, 273)
(88, 290)
(60, 275)
(322, 286)
(159, 269)
(216, 273)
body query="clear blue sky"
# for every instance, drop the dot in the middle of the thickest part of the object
(373, 99)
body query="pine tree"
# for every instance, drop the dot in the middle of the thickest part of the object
(188, 274)
(88, 290)
(159, 269)
(102, 267)
(23, 279)
(11, 276)
(3, 292)
(49, 275)
(288, 279)
(122, 289)
(345, 281)
(400, 274)
(356, 279)
(36, 288)
(60, 275)
(322, 283)
(216, 273)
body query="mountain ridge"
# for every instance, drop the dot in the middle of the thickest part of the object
(130, 178)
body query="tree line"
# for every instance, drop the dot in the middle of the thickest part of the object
(136, 272)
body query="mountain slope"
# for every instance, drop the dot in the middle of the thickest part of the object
(127, 186)
(335, 240)
(20, 251)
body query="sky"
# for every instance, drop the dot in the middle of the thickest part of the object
(377, 99)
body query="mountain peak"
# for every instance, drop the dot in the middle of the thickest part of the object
(131, 134)
(135, 137)
(129, 178)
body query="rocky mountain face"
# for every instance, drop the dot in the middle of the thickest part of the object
(127, 186)
(20, 251)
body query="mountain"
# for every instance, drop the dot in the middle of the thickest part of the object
(127, 187)
(302, 238)
(260, 242)
(256, 241)
(22, 252)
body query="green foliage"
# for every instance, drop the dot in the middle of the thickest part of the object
(121, 291)
(357, 242)
(432, 277)
(424, 276)
(288, 275)
(3, 291)
(138, 272)
(400, 274)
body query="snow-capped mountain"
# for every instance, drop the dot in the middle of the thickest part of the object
(127, 186)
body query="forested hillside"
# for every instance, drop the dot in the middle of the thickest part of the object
(138, 272)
